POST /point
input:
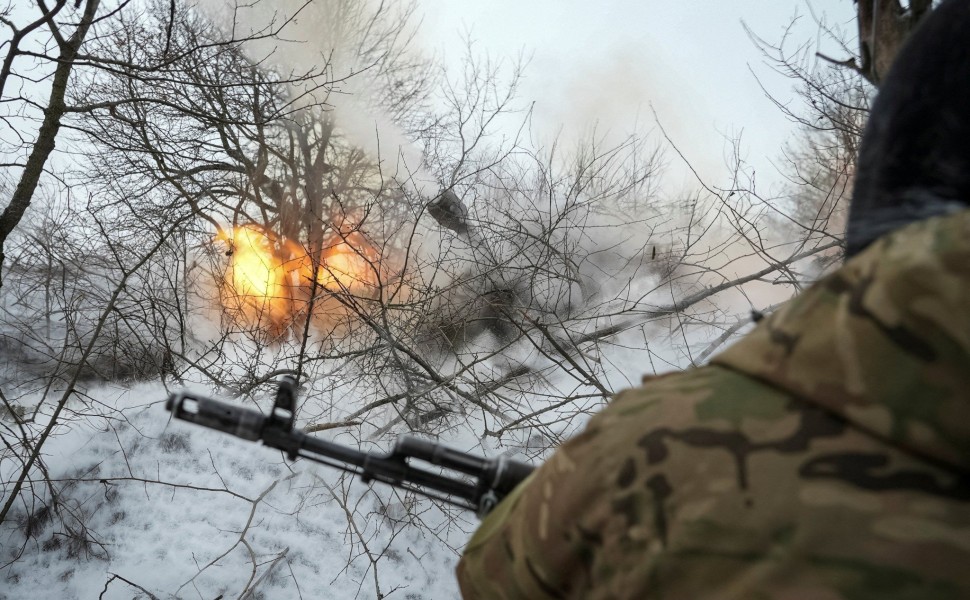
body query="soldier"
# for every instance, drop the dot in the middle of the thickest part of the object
(824, 456)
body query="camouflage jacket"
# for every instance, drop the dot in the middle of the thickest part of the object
(826, 455)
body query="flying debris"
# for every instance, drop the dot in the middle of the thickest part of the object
(447, 209)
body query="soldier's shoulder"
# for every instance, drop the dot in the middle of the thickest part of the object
(698, 395)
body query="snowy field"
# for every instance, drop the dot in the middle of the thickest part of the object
(174, 510)
(185, 512)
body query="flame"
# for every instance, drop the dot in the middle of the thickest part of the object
(269, 278)
(255, 269)
(256, 283)
(347, 267)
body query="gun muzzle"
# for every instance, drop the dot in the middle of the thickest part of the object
(241, 422)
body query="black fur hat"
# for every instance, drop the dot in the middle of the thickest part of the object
(914, 161)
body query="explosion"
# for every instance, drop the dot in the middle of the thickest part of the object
(348, 265)
(270, 279)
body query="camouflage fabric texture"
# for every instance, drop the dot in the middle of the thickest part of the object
(824, 456)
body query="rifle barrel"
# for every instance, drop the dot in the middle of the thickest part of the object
(492, 479)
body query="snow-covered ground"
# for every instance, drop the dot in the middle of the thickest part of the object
(172, 510)
(179, 511)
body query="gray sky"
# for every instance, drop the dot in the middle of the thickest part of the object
(690, 60)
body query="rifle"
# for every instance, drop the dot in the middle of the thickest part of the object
(491, 478)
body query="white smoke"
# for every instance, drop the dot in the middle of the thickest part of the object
(324, 45)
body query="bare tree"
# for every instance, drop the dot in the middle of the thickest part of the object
(67, 42)
(833, 109)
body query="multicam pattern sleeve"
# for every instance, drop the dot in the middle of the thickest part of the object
(824, 456)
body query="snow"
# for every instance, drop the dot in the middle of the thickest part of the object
(185, 512)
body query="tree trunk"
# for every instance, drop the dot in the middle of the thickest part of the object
(883, 28)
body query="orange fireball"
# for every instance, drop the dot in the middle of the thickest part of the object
(255, 270)
(348, 265)
(269, 278)
(257, 285)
